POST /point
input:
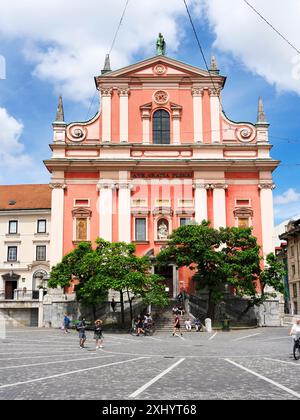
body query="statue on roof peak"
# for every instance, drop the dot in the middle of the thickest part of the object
(160, 45)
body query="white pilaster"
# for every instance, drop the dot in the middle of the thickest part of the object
(197, 109)
(219, 204)
(123, 93)
(124, 212)
(106, 114)
(57, 223)
(200, 200)
(215, 115)
(105, 209)
(267, 216)
(176, 130)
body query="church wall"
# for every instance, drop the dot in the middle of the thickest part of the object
(73, 192)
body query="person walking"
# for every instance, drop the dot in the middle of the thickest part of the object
(81, 332)
(113, 304)
(177, 325)
(66, 323)
(98, 336)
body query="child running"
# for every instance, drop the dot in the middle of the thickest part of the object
(98, 334)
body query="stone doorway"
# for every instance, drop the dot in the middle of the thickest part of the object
(167, 273)
(10, 286)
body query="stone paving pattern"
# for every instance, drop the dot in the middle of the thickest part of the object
(203, 375)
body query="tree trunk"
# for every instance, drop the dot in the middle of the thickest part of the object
(94, 312)
(130, 305)
(122, 309)
(211, 307)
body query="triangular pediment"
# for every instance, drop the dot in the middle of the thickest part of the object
(157, 66)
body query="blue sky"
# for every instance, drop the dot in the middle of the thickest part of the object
(47, 54)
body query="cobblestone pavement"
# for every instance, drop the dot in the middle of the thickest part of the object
(246, 364)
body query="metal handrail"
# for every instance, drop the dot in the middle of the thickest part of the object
(20, 295)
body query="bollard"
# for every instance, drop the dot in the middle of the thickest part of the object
(208, 325)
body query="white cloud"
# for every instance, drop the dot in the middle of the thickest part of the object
(289, 196)
(287, 205)
(239, 31)
(67, 40)
(13, 160)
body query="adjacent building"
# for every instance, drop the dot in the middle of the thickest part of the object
(25, 224)
(292, 237)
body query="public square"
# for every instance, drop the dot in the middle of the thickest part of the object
(248, 364)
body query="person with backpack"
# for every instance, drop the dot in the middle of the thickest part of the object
(66, 323)
(81, 332)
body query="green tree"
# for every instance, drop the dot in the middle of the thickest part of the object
(227, 256)
(109, 266)
(81, 264)
(195, 246)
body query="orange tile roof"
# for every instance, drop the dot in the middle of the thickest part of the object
(18, 197)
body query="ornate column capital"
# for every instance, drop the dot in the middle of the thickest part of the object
(57, 186)
(106, 184)
(218, 186)
(215, 91)
(123, 91)
(197, 91)
(266, 186)
(124, 185)
(200, 185)
(107, 91)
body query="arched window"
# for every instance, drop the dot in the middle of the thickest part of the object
(161, 127)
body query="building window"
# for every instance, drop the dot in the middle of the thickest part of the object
(13, 227)
(161, 127)
(82, 202)
(295, 293)
(243, 222)
(12, 253)
(41, 226)
(81, 229)
(243, 203)
(185, 221)
(41, 253)
(140, 229)
(295, 307)
(292, 251)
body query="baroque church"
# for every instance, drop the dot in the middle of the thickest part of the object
(159, 154)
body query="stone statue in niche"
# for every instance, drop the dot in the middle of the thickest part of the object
(162, 231)
(81, 229)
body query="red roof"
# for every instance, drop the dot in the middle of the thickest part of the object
(21, 197)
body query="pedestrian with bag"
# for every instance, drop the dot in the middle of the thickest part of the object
(98, 335)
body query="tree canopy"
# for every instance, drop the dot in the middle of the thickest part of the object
(109, 266)
(220, 258)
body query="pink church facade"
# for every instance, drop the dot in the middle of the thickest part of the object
(160, 153)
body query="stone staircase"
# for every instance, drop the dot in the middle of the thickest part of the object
(164, 322)
(288, 320)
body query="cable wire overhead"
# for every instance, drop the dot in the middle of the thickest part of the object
(271, 26)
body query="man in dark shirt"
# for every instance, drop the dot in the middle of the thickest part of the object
(81, 331)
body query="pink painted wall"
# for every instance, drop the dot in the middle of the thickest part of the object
(79, 192)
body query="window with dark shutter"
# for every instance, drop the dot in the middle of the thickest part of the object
(161, 127)
(140, 230)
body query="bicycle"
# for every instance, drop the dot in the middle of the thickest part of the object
(296, 349)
